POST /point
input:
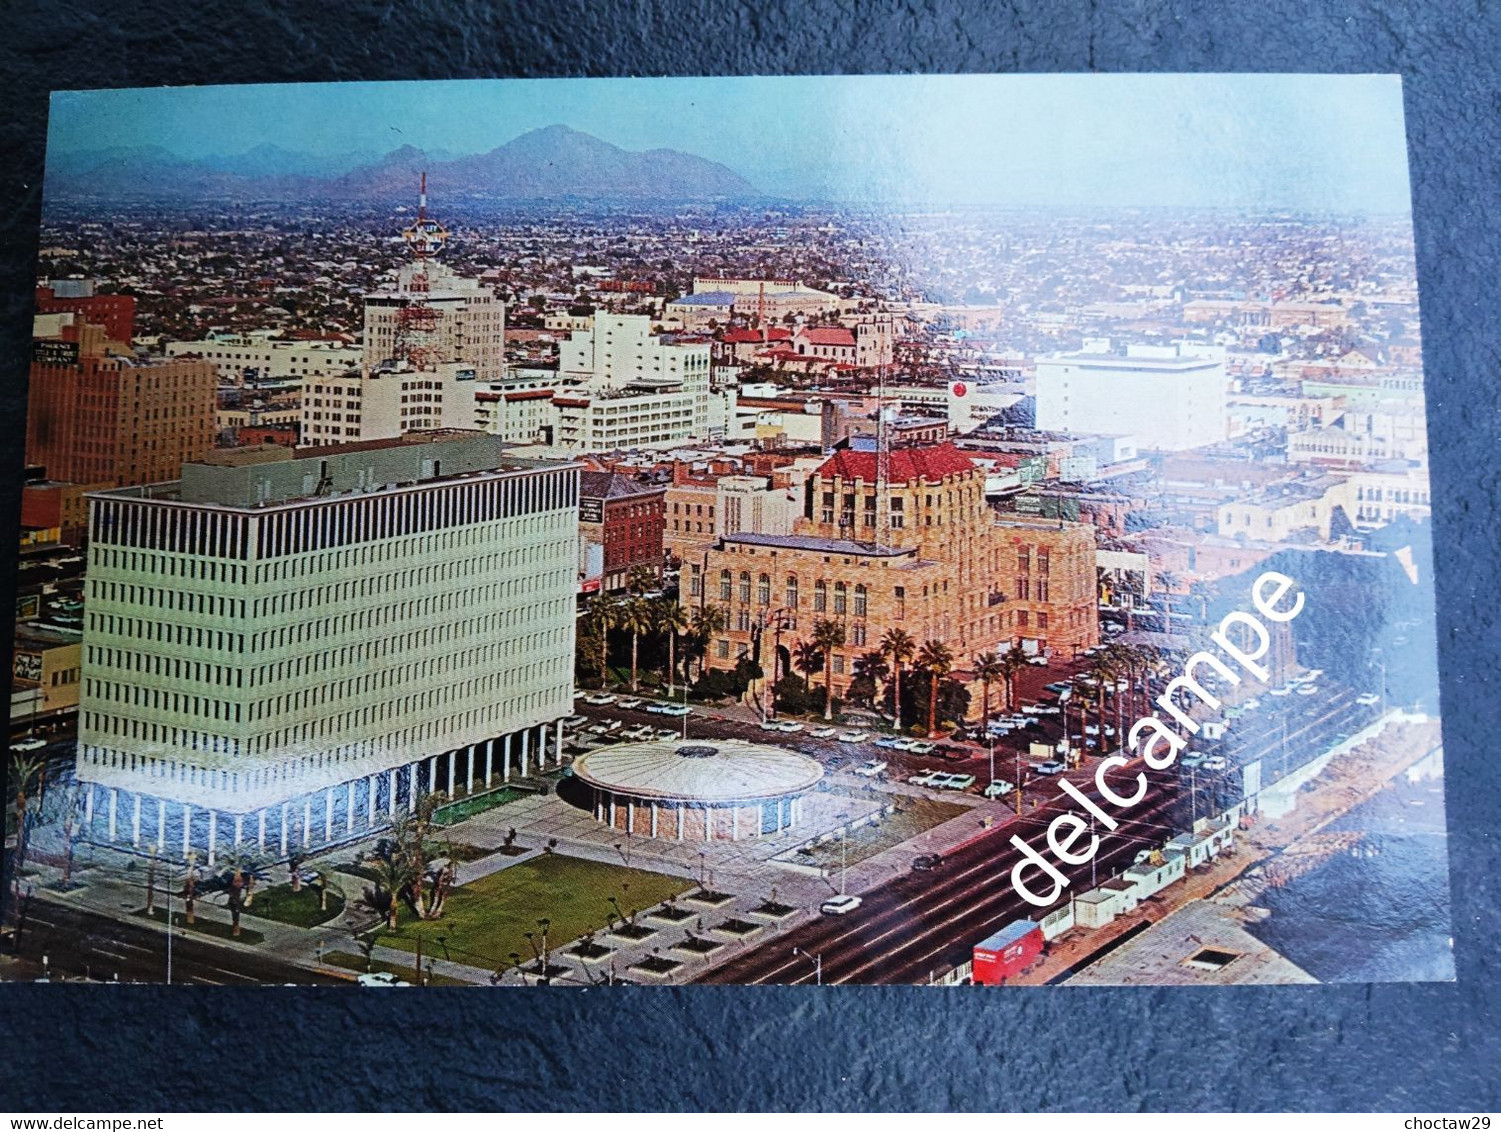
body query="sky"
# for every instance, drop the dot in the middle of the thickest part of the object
(1317, 142)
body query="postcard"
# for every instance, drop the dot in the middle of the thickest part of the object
(968, 531)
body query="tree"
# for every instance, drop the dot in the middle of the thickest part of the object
(24, 770)
(1104, 670)
(897, 645)
(828, 636)
(600, 615)
(635, 619)
(641, 580)
(670, 618)
(934, 658)
(424, 890)
(807, 658)
(869, 670)
(707, 620)
(987, 669)
(1012, 662)
(1169, 582)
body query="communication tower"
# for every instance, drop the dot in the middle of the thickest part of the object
(417, 340)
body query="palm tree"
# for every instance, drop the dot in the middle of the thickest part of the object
(1012, 662)
(987, 668)
(828, 636)
(706, 621)
(669, 617)
(601, 615)
(1104, 671)
(899, 647)
(23, 770)
(938, 661)
(635, 619)
(871, 666)
(807, 658)
(642, 579)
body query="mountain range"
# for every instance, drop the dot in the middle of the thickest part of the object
(550, 163)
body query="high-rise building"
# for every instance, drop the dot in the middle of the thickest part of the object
(432, 316)
(1170, 398)
(287, 651)
(99, 416)
(384, 402)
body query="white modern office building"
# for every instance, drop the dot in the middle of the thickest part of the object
(267, 359)
(1170, 398)
(430, 316)
(391, 399)
(281, 653)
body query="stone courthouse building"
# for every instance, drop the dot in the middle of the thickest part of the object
(928, 556)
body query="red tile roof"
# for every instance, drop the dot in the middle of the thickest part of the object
(827, 336)
(906, 464)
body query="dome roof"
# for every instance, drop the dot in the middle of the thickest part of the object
(719, 770)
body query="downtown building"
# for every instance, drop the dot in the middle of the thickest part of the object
(282, 653)
(913, 546)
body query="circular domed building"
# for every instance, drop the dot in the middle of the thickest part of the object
(686, 790)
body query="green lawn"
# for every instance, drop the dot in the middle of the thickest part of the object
(485, 920)
(914, 816)
(300, 909)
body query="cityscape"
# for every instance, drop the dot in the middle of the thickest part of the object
(576, 544)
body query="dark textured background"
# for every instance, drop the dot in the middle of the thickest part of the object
(1390, 1048)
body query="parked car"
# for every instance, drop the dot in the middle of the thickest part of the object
(1308, 689)
(1193, 760)
(1368, 699)
(770, 725)
(1285, 690)
(575, 720)
(790, 726)
(32, 744)
(998, 787)
(606, 726)
(1052, 766)
(955, 782)
(853, 737)
(924, 779)
(823, 733)
(927, 862)
(664, 734)
(870, 768)
(631, 703)
(954, 753)
(668, 709)
(638, 734)
(1216, 762)
(921, 746)
(1039, 661)
(1251, 704)
(891, 743)
(839, 905)
(380, 979)
(599, 699)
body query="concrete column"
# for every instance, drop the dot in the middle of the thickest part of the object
(328, 814)
(161, 825)
(391, 799)
(412, 787)
(187, 828)
(469, 753)
(452, 758)
(630, 815)
(680, 820)
(239, 829)
(371, 800)
(307, 822)
(654, 819)
(213, 834)
(489, 762)
(112, 797)
(612, 811)
(735, 823)
(599, 807)
(135, 821)
(432, 775)
(526, 735)
(349, 809)
(260, 830)
(88, 805)
(708, 823)
(558, 747)
(506, 760)
(284, 829)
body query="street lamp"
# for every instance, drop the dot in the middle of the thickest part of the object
(817, 961)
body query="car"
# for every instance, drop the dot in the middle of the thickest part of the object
(870, 768)
(1286, 690)
(823, 733)
(1251, 704)
(32, 744)
(630, 703)
(927, 862)
(1368, 699)
(924, 779)
(1048, 709)
(1052, 766)
(790, 726)
(579, 693)
(605, 727)
(891, 743)
(669, 709)
(1039, 661)
(998, 787)
(956, 782)
(638, 734)
(852, 737)
(574, 720)
(770, 725)
(663, 734)
(1308, 690)
(599, 699)
(1193, 760)
(1056, 686)
(921, 747)
(839, 905)
(954, 753)
(380, 979)
(1216, 762)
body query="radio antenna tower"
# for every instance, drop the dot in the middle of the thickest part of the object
(416, 318)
